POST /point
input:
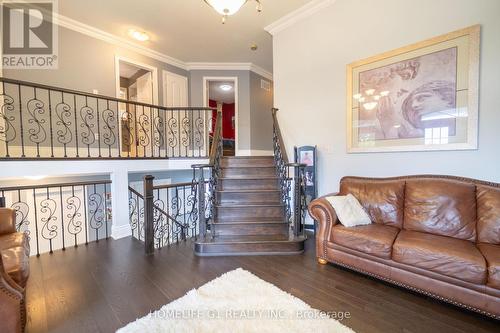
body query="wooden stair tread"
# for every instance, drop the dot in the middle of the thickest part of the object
(247, 177)
(250, 239)
(249, 166)
(248, 157)
(246, 191)
(254, 220)
(253, 204)
(270, 221)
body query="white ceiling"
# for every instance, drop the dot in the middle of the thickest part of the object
(188, 30)
(217, 94)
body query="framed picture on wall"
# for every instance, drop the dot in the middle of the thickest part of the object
(416, 98)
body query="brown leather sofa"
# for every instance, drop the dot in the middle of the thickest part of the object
(437, 235)
(14, 272)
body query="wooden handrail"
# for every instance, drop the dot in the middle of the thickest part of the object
(217, 137)
(103, 97)
(56, 185)
(280, 137)
(139, 195)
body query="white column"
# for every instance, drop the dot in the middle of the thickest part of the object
(119, 201)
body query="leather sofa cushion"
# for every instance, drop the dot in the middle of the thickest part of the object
(492, 254)
(444, 207)
(448, 256)
(16, 239)
(16, 264)
(374, 239)
(382, 199)
(488, 214)
(7, 221)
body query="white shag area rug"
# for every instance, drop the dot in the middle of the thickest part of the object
(237, 301)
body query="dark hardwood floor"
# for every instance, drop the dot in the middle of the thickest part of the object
(103, 286)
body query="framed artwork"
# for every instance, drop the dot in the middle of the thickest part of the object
(416, 98)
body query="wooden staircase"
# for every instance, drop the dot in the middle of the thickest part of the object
(250, 216)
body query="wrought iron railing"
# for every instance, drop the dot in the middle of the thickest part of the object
(56, 216)
(174, 214)
(166, 214)
(44, 122)
(291, 178)
(206, 196)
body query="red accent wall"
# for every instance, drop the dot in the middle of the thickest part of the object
(227, 119)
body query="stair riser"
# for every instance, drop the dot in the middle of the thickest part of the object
(239, 213)
(252, 229)
(249, 248)
(250, 172)
(249, 184)
(238, 162)
(249, 198)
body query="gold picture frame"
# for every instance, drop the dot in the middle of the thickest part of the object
(420, 97)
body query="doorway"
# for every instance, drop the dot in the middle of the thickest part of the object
(135, 82)
(222, 93)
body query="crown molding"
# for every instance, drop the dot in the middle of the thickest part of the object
(230, 66)
(88, 30)
(91, 31)
(298, 15)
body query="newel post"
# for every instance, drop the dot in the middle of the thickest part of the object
(201, 203)
(148, 214)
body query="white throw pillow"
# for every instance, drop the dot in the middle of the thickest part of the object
(349, 211)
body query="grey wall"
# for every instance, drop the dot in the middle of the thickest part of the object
(87, 63)
(310, 61)
(243, 103)
(261, 122)
(254, 106)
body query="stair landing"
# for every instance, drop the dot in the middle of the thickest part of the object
(250, 218)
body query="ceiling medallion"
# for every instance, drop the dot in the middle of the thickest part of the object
(229, 7)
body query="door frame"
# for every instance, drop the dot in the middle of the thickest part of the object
(139, 64)
(165, 73)
(236, 101)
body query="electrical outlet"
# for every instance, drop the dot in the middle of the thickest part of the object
(96, 136)
(95, 91)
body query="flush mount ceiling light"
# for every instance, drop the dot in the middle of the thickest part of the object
(229, 7)
(225, 87)
(141, 36)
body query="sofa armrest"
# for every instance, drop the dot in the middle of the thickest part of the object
(12, 306)
(321, 211)
(7, 221)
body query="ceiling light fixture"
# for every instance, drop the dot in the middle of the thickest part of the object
(225, 87)
(229, 7)
(141, 36)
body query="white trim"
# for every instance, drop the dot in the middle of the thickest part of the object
(230, 66)
(255, 152)
(236, 99)
(150, 68)
(88, 30)
(298, 15)
(121, 231)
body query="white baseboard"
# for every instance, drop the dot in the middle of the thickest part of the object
(121, 231)
(254, 152)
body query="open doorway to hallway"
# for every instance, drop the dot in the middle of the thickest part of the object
(221, 92)
(135, 82)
